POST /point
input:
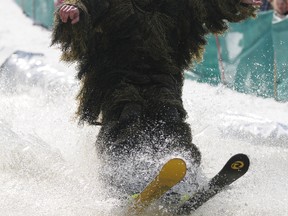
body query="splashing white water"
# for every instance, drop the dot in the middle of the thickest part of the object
(49, 166)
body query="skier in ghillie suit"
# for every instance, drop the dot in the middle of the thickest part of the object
(131, 57)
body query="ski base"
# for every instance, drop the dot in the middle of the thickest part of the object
(235, 168)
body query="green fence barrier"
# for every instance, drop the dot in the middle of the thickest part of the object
(280, 43)
(41, 11)
(207, 71)
(251, 58)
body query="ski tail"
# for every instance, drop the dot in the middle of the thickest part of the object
(235, 167)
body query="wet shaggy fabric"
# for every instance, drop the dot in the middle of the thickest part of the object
(131, 57)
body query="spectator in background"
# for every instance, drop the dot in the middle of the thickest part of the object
(266, 5)
(280, 9)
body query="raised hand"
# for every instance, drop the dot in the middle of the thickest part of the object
(67, 12)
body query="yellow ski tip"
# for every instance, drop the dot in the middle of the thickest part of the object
(171, 173)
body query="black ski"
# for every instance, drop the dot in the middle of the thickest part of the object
(236, 167)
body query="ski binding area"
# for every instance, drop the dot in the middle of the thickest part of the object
(174, 171)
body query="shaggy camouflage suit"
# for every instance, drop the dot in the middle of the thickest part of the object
(131, 56)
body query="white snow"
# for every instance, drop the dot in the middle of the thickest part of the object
(48, 164)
